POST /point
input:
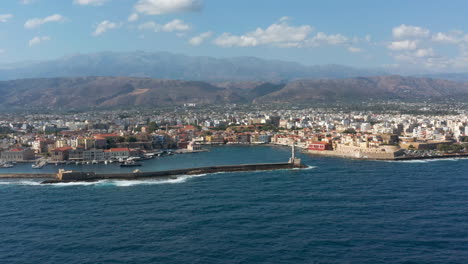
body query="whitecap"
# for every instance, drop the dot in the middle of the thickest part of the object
(20, 182)
(71, 184)
(426, 160)
(306, 168)
(178, 179)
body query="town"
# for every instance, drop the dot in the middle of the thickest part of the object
(117, 135)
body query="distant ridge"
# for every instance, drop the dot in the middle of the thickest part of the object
(164, 65)
(98, 92)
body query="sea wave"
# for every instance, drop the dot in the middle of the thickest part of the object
(20, 182)
(426, 160)
(306, 168)
(117, 183)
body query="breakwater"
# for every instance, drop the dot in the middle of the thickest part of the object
(27, 175)
(72, 176)
(445, 156)
(381, 156)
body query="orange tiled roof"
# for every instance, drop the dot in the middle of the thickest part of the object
(119, 149)
(16, 149)
(105, 135)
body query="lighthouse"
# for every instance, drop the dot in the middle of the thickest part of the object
(293, 160)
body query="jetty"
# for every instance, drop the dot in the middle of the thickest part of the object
(74, 176)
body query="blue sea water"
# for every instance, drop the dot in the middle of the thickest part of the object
(337, 211)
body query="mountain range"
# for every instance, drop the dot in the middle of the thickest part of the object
(114, 79)
(164, 65)
(92, 92)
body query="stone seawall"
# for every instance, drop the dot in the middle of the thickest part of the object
(27, 175)
(91, 176)
(354, 155)
(380, 156)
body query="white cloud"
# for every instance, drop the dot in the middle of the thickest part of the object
(159, 7)
(5, 17)
(403, 45)
(368, 38)
(403, 31)
(133, 17)
(37, 22)
(354, 49)
(451, 37)
(281, 34)
(198, 40)
(321, 38)
(149, 26)
(27, 2)
(423, 53)
(175, 25)
(37, 40)
(416, 47)
(104, 26)
(89, 2)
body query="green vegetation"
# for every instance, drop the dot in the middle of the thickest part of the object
(350, 131)
(152, 126)
(450, 148)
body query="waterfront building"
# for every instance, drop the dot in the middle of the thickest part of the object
(320, 146)
(60, 154)
(17, 154)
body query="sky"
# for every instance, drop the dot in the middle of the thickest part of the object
(417, 35)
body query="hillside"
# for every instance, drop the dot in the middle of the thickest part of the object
(379, 88)
(90, 92)
(109, 91)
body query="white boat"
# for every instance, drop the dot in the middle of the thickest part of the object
(39, 164)
(6, 165)
(105, 162)
(95, 162)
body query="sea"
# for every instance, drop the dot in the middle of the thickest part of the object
(335, 211)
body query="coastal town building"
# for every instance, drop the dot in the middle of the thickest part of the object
(17, 154)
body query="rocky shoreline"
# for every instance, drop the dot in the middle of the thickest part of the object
(372, 156)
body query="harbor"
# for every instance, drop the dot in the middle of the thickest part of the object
(172, 166)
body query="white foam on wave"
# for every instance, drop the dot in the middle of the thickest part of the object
(128, 183)
(178, 179)
(307, 168)
(426, 160)
(20, 182)
(71, 184)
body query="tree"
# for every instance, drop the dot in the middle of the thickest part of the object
(350, 131)
(152, 126)
(450, 148)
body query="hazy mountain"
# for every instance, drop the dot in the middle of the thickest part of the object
(457, 77)
(379, 87)
(165, 65)
(89, 92)
(85, 92)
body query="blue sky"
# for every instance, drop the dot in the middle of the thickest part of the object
(421, 35)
